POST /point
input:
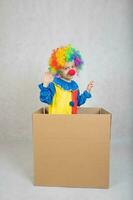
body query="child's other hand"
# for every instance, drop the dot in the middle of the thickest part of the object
(48, 77)
(90, 85)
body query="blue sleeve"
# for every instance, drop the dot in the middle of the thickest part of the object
(83, 97)
(47, 93)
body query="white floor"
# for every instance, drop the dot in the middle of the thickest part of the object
(16, 175)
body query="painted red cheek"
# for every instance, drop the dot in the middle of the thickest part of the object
(71, 72)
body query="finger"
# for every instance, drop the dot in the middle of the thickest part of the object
(91, 81)
(91, 84)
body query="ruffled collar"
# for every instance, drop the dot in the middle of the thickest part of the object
(66, 85)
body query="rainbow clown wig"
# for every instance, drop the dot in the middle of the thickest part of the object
(62, 55)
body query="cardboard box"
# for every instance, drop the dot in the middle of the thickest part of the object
(72, 150)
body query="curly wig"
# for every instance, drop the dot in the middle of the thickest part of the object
(62, 55)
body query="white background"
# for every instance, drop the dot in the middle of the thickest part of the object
(103, 32)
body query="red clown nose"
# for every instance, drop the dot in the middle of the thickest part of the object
(71, 72)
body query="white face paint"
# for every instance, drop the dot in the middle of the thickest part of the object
(64, 71)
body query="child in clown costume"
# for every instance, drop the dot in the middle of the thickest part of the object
(58, 89)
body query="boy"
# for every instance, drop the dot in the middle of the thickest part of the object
(58, 89)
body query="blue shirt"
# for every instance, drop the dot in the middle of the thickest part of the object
(47, 93)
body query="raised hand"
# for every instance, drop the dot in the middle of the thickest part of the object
(90, 85)
(48, 77)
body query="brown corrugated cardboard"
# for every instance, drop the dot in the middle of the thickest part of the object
(72, 150)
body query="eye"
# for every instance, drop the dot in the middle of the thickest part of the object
(66, 68)
(73, 66)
